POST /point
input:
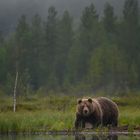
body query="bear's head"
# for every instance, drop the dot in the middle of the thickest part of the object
(85, 106)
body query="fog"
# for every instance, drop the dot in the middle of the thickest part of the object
(11, 10)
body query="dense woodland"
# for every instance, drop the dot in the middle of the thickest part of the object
(57, 55)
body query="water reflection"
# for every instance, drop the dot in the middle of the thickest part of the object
(95, 137)
(68, 137)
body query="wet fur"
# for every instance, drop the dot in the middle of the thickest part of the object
(103, 112)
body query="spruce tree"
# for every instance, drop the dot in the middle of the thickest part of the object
(109, 21)
(22, 36)
(129, 40)
(65, 42)
(91, 36)
(36, 50)
(22, 53)
(51, 37)
(130, 29)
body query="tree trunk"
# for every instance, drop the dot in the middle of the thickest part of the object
(15, 89)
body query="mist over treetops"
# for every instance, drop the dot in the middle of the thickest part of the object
(54, 54)
(11, 10)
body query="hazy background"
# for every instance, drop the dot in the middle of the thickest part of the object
(94, 47)
(11, 10)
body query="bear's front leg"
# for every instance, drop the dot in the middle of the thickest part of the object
(79, 123)
(76, 124)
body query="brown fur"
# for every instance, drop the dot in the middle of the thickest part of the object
(98, 111)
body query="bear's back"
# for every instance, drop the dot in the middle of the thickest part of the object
(109, 108)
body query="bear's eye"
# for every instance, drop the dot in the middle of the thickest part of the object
(82, 106)
(88, 106)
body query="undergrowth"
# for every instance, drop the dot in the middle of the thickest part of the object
(57, 113)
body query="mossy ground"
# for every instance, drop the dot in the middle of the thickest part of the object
(54, 113)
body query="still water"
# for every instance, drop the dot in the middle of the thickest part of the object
(61, 137)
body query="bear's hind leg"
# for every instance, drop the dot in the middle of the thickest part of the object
(114, 123)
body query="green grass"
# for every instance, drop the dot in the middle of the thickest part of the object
(35, 121)
(51, 113)
(130, 116)
(57, 113)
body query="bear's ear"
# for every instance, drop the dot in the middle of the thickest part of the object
(79, 101)
(90, 100)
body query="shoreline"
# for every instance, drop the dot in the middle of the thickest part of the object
(101, 131)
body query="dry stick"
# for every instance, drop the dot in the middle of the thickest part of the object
(15, 89)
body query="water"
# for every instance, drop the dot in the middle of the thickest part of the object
(64, 137)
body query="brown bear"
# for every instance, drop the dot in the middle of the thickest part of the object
(94, 112)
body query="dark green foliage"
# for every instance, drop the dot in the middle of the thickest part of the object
(98, 54)
(109, 22)
(131, 28)
(36, 50)
(23, 54)
(3, 64)
(107, 69)
(129, 40)
(65, 42)
(89, 39)
(51, 38)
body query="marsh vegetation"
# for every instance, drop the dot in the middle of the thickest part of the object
(54, 113)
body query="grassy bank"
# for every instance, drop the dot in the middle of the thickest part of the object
(57, 113)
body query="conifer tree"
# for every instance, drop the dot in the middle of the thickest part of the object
(129, 40)
(36, 51)
(22, 53)
(91, 36)
(65, 42)
(130, 29)
(109, 20)
(51, 37)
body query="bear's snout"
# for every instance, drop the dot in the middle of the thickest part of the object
(85, 111)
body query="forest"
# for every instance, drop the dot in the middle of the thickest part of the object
(57, 55)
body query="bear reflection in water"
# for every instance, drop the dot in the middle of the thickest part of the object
(95, 137)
